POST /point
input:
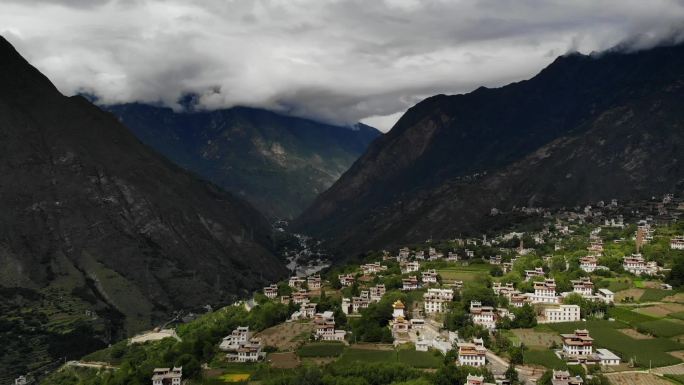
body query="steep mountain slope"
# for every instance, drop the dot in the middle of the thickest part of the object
(90, 211)
(278, 163)
(585, 128)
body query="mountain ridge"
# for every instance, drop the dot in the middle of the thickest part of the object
(90, 209)
(444, 141)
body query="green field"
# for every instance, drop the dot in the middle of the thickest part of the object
(321, 349)
(606, 335)
(419, 359)
(407, 356)
(677, 315)
(619, 284)
(628, 316)
(663, 328)
(464, 273)
(653, 295)
(366, 355)
(544, 357)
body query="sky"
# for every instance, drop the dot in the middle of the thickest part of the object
(335, 61)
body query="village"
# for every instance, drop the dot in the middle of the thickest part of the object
(588, 298)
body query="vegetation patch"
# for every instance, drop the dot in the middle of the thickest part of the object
(607, 335)
(235, 377)
(662, 328)
(321, 349)
(629, 316)
(543, 357)
(419, 359)
(652, 295)
(352, 355)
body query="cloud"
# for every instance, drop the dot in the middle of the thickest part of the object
(339, 61)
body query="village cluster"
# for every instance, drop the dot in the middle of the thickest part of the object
(414, 272)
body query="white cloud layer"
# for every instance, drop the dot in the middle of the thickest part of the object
(340, 61)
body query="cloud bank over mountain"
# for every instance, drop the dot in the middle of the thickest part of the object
(338, 61)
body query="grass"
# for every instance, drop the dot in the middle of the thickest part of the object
(464, 273)
(663, 328)
(544, 357)
(626, 315)
(607, 336)
(653, 295)
(321, 349)
(678, 315)
(365, 355)
(423, 360)
(619, 284)
(235, 377)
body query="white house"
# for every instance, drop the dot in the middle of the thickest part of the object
(433, 303)
(588, 263)
(314, 282)
(605, 295)
(476, 380)
(677, 243)
(410, 267)
(561, 313)
(410, 283)
(372, 268)
(271, 291)
(578, 343)
(545, 292)
(583, 286)
(537, 272)
(324, 326)
(167, 376)
(429, 276)
(563, 377)
(376, 292)
(472, 354)
(483, 315)
(233, 341)
(346, 279)
(296, 281)
(607, 357)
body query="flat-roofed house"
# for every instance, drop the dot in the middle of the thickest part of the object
(167, 376)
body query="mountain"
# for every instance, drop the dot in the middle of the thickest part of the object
(586, 128)
(94, 215)
(278, 163)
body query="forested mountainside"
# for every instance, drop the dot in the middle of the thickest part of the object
(278, 163)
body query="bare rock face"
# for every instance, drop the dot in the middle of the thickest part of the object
(87, 208)
(586, 128)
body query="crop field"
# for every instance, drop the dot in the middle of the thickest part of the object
(651, 295)
(606, 335)
(464, 273)
(629, 316)
(618, 284)
(366, 355)
(636, 379)
(534, 338)
(286, 336)
(321, 349)
(677, 315)
(288, 360)
(543, 357)
(663, 328)
(419, 359)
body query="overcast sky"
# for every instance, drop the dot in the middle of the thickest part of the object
(339, 61)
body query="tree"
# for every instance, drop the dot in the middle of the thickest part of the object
(525, 317)
(512, 375)
(516, 354)
(676, 276)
